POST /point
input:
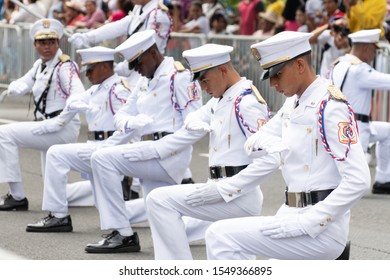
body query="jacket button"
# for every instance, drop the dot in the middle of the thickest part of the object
(305, 167)
(308, 130)
(322, 224)
(328, 219)
(238, 190)
(230, 195)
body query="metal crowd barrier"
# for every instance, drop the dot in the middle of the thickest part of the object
(18, 55)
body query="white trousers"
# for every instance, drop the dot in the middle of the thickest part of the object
(108, 166)
(241, 239)
(166, 206)
(81, 194)
(379, 133)
(61, 159)
(18, 135)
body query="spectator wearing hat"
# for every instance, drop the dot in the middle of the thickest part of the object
(99, 104)
(94, 16)
(235, 111)
(157, 107)
(52, 80)
(354, 75)
(73, 12)
(147, 14)
(268, 22)
(322, 164)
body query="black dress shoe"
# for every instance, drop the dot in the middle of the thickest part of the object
(381, 188)
(8, 203)
(345, 254)
(187, 181)
(115, 243)
(51, 224)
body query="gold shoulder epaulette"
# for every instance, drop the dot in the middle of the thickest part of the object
(126, 84)
(336, 93)
(258, 95)
(179, 66)
(64, 58)
(163, 7)
(356, 61)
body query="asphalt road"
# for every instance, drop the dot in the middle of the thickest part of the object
(369, 230)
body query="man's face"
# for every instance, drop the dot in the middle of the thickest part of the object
(94, 73)
(212, 82)
(286, 80)
(46, 48)
(144, 64)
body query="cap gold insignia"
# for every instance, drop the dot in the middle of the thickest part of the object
(46, 23)
(256, 53)
(336, 93)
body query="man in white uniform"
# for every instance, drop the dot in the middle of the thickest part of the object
(356, 78)
(235, 112)
(146, 14)
(52, 79)
(159, 103)
(323, 164)
(99, 104)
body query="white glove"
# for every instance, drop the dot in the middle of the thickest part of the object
(78, 106)
(250, 144)
(139, 121)
(140, 151)
(282, 226)
(79, 40)
(260, 142)
(85, 153)
(204, 194)
(198, 126)
(48, 126)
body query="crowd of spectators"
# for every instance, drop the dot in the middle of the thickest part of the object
(261, 18)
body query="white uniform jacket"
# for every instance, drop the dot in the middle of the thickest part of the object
(361, 79)
(104, 101)
(307, 166)
(227, 140)
(65, 81)
(154, 16)
(167, 104)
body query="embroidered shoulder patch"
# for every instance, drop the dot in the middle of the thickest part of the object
(336, 93)
(193, 93)
(260, 123)
(346, 132)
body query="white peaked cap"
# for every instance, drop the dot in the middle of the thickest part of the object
(46, 28)
(96, 55)
(136, 44)
(207, 56)
(280, 48)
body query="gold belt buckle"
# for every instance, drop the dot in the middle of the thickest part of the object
(147, 137)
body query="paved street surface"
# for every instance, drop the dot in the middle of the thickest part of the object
(369, 231)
